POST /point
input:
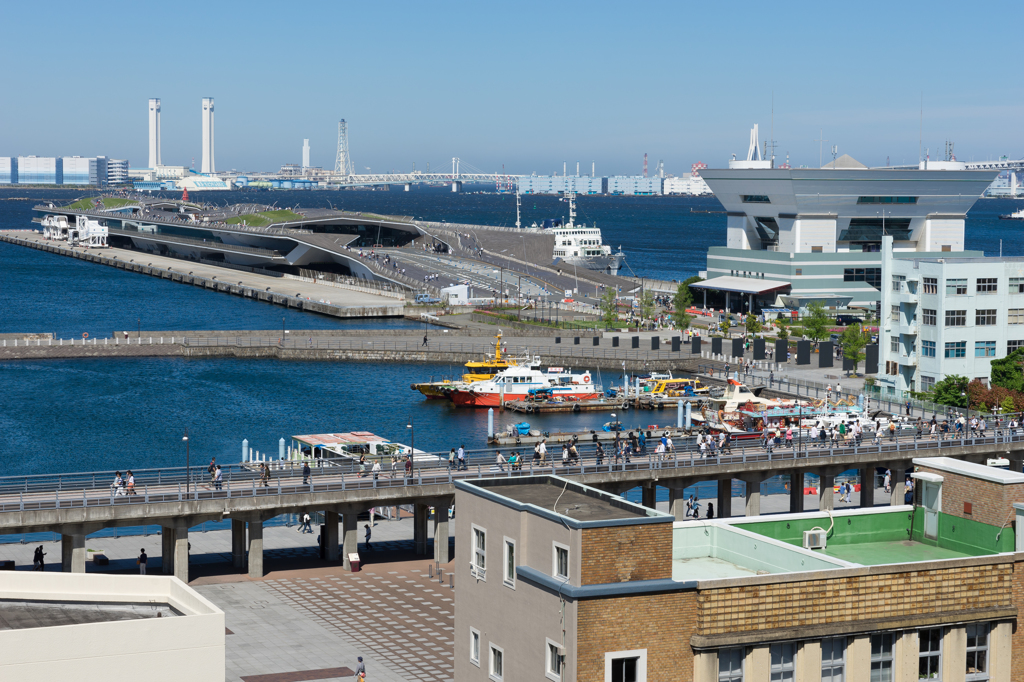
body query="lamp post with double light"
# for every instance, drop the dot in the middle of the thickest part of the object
(188, 463)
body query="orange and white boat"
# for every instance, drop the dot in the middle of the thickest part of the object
(515, 383)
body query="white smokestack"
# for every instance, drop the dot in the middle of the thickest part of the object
(305, 154)
(154, 132)
(208, 164)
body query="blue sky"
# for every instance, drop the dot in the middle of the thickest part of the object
(524, 84)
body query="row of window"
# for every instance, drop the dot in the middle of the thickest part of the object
(763, 199)
(983, 317)
(623, 666)
(834, 657)
(559, 558)
(958, 287)
(956, 349)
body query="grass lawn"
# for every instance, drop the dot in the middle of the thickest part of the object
(87, 203)
(265, 218)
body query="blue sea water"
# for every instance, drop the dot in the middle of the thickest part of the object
(79, 415)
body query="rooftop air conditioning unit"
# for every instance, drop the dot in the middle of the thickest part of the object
(814, 539)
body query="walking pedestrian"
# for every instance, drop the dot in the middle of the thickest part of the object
(218, 479)
(130, 481)
(908, 408)
(451, 459)
(500, 460)
(141, 561)
(212, 469)
(425, 340)
(376, 469)
(304, 524)
(360, 668)
(306, 471)
(887, 480)
(462, 457)
(265, 475)
(38, 563)
(368, 533)
(408, 469)
(542, 450)
(771, 379)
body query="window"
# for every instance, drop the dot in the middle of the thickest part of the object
(479, 566)
(1015, 316)
(897, 282)
(956, 287)
(956, 318)
(956, 349)
(928, 317)
(554, 661)
(756, 199)
(872, 276)
(985, 317)
(1014, 345)
(833, 659)
(730, 665)
(931, 285)
(625, 666)
(929, 656)
(986, 285)
(886, 200)
(474, 646)
(510, 563)
(894, 343)
(894, 313)
(881, 658)
(928, 349)
(783, 668)
(799, 272)
(984, 349)
(497, 662)
(927, 383)
(1017, 285)
(977, 652)
(560, 563)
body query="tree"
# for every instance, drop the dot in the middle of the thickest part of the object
(753, 325)
(726, 324)
(609, 306)
(647, 306)
(783, 329)
(951, 391)
(817, 325)
(1009, 371)
(682, 300)
(853, 342)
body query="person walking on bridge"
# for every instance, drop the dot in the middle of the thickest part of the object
(38, 563)
(462, 458)
(218, 479)
(306, 471)
(425, 341)
(212, 469)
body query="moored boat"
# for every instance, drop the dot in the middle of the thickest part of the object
(516, 383)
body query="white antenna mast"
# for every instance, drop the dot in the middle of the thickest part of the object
(518, 223)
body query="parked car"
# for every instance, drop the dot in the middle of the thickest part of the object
(844, 320)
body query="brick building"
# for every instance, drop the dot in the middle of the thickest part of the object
(562, 582)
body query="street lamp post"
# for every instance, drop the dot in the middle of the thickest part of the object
(138, 323)
(412, 446)
(188, 463)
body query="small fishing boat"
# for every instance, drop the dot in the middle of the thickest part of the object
(515, 383)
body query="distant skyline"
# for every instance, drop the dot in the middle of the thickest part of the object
(528, 86)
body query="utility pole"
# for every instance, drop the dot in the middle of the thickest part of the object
(821, 146)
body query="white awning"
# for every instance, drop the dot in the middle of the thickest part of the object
(742, 285)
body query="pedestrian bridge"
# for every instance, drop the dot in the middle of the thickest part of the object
(79, 504)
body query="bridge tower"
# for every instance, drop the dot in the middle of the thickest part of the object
(343, 162)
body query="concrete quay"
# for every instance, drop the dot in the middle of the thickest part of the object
(76, 510)
(298, 294)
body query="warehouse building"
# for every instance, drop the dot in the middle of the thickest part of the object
(559, 184)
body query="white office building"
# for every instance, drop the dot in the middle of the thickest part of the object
(117, 171)
(689, 185)
(945, 315)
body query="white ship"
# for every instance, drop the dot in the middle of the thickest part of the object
(582, 246)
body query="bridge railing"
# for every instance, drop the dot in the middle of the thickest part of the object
(90, 489)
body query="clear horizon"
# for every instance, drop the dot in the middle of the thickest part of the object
(525, 90)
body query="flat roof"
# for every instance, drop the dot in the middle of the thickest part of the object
(743, 285)
(563, 500)
(21, 614)
(890, 552)
(957, 466)
(352, 438)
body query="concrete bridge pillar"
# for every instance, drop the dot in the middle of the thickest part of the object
(441, 554)
(896, 484)
(256, 549)
(867, 487)
(649, 495)
(723, 508)
(237, 543)
(419, 527)
(796, 491)
(181, 553)
(826, 495)
(408, 186)
(349, 535)
(330, 535)
(753, 494)
(167, 550)
(72, 553)
(677, 498)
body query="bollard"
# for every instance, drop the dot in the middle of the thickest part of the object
(687, 417)
(245, 449)
(679, 414)
(490, 422)
(280, 449)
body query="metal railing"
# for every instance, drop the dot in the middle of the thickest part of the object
(94, 489)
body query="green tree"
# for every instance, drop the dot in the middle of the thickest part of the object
(1009, 371)
(817, 325)
(752, 324)
(609, 306)
(682, 300)
(726, 324)
(647, 306)
(853, 342)
(783, 329)
(951, 391)
(1008, 405)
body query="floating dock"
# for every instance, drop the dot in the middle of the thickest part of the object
(505, 440)
(544, 407)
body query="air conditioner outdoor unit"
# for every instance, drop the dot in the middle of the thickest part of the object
(814, 539)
